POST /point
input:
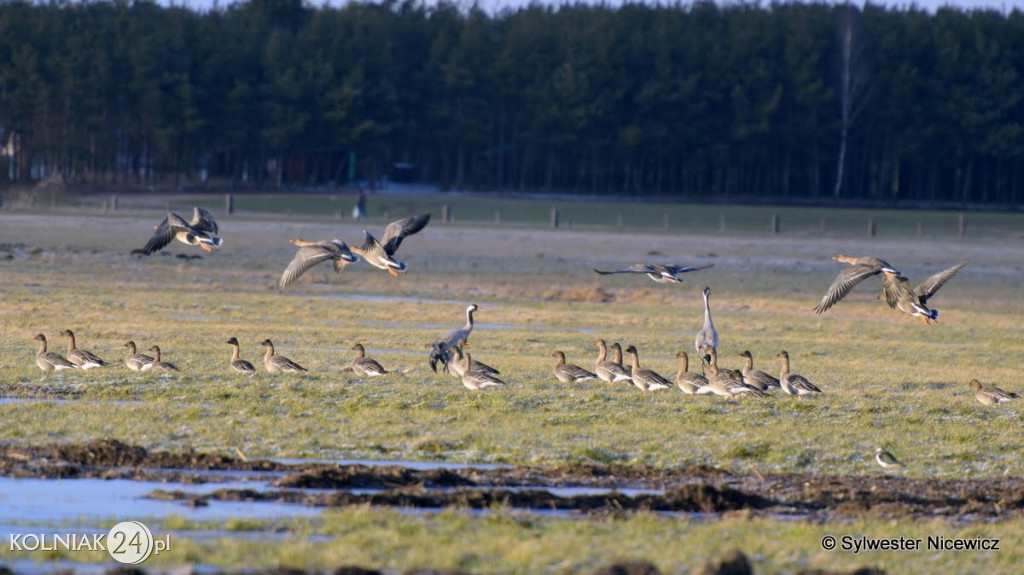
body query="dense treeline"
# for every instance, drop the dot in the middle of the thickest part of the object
(798, 101)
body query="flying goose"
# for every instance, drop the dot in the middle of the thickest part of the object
(792, 383)
(237, 363)
(380, 254)
(756, 377)
(991, 395)
(137, 361)
(645, 379)
(477, 380)
(440, 349)
(661, 273)
(200, 231)
(610, 371)
(158, 365)
(365, 365)
(568, 372)
(899, 295)
(311, 254)
(275, 363)
(49, 360)
(707, 337)
(690, 383)
(84, 359)
(860, 269)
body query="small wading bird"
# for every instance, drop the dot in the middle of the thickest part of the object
(380, 254)
(991, 395)
(886, 459)
(661, 273)
(899, 295)
(860, 269)
(311, 254)
(200, 231)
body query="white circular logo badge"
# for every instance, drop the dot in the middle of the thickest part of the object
(130, 542)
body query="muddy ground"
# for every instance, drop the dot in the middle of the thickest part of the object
(697, 489)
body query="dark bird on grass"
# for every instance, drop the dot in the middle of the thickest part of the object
(860, 269)
(313, 253)
(911, 301)
(886, 459)
(380, 254)
(237, 363)
(200, 231)
(661, 273)
(991, 395)
(440, 350)
(84, 359)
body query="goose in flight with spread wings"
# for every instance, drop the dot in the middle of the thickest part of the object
(313, 253)
(912, 301)
(661, 273)
(860, 269)
(380, 254)
(200, 231)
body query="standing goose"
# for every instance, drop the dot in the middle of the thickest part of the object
(792, 383)
(477, 380)
(661, 273)
(49, 360)
(275, 363)
(84, 359)
(200, 231)
(860, 269)
(610, 371)
(568, 372)
(991, 395)
(645, 379)
(440, 349)
(311, 254)
(158, 365)
(137, 361)
(899, 295)
(756, 377)
(458, 365)
(690, 383)
(711, 354)
(237, 363)
(365, 365)
(728, 383)
(380, 254)
(707, 337)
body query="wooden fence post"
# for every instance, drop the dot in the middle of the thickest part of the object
(871, 227)
(229, 203)
(446, 213)
(961, 231)
(775, 223)
(554, 217)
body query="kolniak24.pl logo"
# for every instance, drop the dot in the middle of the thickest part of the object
(127, 542)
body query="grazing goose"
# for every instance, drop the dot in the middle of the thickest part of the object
(645, 379)
(661, 273)
(457, 366)
(756, 377)
(49, 360)
(275, 363)
(568, 372)
(899, 295)
(84, 359)
(158, 365)
(137, 361)
(237, 363)
(311, 254)
(886, 459)
(380, 255)
(690, 383)
(365, 365)
(610, 371)
(859, 270)
(991, 395)
(707, 337)
(792, 383)
(440, 349)
(200, 231)
(477, 380)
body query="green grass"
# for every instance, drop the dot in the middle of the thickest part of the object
(887, 379)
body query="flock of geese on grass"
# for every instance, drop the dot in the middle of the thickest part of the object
(449, 354)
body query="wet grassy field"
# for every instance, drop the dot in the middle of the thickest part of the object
(886, 379)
